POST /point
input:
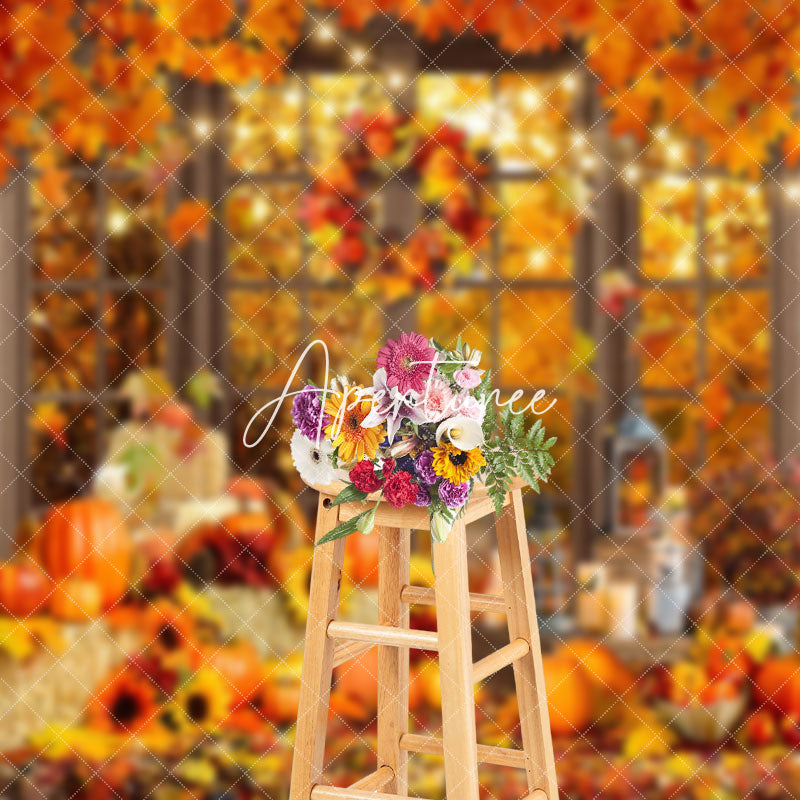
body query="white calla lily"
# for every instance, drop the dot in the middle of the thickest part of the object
(463, 432)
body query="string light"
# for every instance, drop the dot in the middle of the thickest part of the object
(293, 97)
(570, 84)
(323, 33)
(202, 126)
(588, 162)
(117, 221)
(260, 209)
(793, 190)
(357, 55)
(396, 80)
(537, 260)
(531, 99)
(242, 131)
(632, 173)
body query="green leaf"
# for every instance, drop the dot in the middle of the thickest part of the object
(348, 495)
(345, 528)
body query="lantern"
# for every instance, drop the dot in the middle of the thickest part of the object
(639, 469)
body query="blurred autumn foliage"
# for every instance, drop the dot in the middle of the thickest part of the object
(720, 74)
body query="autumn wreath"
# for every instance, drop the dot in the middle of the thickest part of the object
(341, 208)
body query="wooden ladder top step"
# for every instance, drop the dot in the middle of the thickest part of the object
(422, 596)
(383, 634)
(501, 657)
(487, 754)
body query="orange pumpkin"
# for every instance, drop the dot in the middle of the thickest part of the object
(610, 678)
(774, 682)
(24, 589)
(240, 666)
(361, 559)
(76, 600)
(569, 695)
(86, 538)
(280, 693)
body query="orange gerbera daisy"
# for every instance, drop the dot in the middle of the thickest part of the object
(345, 431)
(127, 704)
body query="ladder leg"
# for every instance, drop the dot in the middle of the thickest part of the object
(315, 682)
(515, 570)
(455, 665)
(394, 549)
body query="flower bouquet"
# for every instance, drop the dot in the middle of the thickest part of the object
(426, 433)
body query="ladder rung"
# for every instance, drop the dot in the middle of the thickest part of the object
(487, 754)
(501, 657)
(375, 781)
(347, 650)
(337, 793)
(422, 596)
(383, 634)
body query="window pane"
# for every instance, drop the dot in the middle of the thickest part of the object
(135, 326)
(744, 435)
(63, 239)
(738, 339)
(263, 235)
(669, 232)
(265, 134)
(63, 340)
(536, 332)
(463, 100)
(135, 230)
(334, 100)
(667, 338)
(738, 229)
(533, 127)
(62, 441)
(353, 328)
(536, 231)
(445, 315)
(264, 326)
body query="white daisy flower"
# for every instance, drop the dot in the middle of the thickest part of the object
(312, 462)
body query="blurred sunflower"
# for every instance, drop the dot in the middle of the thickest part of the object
(170, 634)
(128, 703)
(205, 700)
(345, 431)
(454, 465)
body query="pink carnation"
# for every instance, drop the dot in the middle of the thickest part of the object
(467, 378)
(468, 406)
(437, 401)
(408, 362)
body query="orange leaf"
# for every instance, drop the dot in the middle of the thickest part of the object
(190, 218)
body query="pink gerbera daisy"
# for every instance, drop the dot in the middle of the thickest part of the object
(408, 362)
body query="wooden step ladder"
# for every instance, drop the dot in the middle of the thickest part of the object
(331, 642)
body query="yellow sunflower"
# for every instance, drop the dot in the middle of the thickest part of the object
(345, 431)
(205, 700)
(456, 466)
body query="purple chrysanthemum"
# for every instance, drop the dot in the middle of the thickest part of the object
(453, 495)
(306, 412)
(408, 362)
(423, 497)
(423, 466)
